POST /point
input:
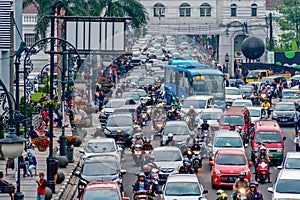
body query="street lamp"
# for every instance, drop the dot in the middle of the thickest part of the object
(226, 61)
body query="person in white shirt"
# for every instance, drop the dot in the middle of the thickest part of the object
(297, 141)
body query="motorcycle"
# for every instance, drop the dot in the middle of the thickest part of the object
(191, 122)
(145, 152)
(196, 160)
(121, 148)
(137, 154)
(144, 118)
(118, 94)
(142, 195)
(241, 194)
(262, 171)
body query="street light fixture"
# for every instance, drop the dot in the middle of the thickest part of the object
(226, 61)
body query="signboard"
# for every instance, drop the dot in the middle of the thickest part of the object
(5, 24)
(96, 34)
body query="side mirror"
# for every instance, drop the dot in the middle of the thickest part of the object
(284, 138)
(250, 164)
(77, 173)
(81, 150)
(279, 167)
(205, 192)
(270, 189)
(123, 171)
(211, 162)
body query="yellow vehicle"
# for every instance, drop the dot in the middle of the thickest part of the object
(257, 75)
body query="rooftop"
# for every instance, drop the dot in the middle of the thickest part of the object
(31, 9)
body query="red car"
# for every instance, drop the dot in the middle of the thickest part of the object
(102, 191)
(226, 167)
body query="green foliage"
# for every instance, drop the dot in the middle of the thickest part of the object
(119, 8)
(291, 12)
(2, 131)
(37, 96)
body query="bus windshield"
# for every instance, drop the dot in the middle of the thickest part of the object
(209, 85)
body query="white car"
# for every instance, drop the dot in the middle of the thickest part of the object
(232, 93)
(183, 187)
(257, 113)
(213, 116)
(287, 185)
(102, 146)
(199, 103)
(168, 159)
(109, 108)
(242, 103)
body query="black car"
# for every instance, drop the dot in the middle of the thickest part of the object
(99, 168)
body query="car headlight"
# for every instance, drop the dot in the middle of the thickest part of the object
(279, 150)
(217, 171)
(275, 115)
(242, 190)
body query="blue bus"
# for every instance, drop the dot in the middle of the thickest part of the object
(187, 78)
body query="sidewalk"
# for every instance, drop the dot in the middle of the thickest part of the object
(28, 184)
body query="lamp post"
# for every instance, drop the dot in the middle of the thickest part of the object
(12, 145)
(226, 61)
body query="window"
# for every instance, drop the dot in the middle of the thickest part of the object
(29, 38)
(185, 10)
(205, 10)
(159, 10)
(233, 10)
(253, 10)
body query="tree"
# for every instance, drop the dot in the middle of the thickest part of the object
(289, 23)
(104, 8)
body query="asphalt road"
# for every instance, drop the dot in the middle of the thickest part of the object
(204, 173)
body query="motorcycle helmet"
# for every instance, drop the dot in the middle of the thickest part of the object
(192, 107)
(147, 140)
(204, 119)
(252, 186)
(240, 128)
(196, 141)
(220, 192)
(262, 148)
(138, 135)
(146, 168)
(119, 131)
(141, 175)
(170, 135)
(242, 173)
(255, 183)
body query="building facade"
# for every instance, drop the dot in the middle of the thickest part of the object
(230, 21)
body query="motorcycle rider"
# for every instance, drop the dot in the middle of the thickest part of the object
(190, 140)
(99, 133)
(262, 156)
(147, 145)
(169, 141)
(186, 167)
(137, 141)
(192, 114)
(221, 195)
(253, 194)
(119, 91)
(149, 102)
(257, 190)
(149, 177)
(149, 160)
(241, 182)
(177, 102)
(141, 185)
(267, 106)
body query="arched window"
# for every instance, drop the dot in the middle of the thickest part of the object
(205, 10)
(233, 10)
(253, 10)
(158, 10)
(185, 10)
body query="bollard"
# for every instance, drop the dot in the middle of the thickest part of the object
(63, 162)
(70, 154)
(48, 194)
(78, 142)
(60, 177)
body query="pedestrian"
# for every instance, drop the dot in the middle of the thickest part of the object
(297, 141)
(31, 160)
(42, 187)
(4, 183)
(70, 113)
(297, 121)
(56, 155)
(101, 99)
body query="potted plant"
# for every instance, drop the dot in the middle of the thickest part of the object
(41, 143)
(71, 140)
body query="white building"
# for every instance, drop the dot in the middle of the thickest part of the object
(230, 21)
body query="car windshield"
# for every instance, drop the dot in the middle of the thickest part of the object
(101, 147)
(182, 189)
(291, 95)
(125, 111)
(254, 113)
(241, 104)
(246, 89)
(267, 137)
(114, 121)
(288, 186)
(231, 159)
(167, 156)
(232, 120)
(135, 97)
(101, 194)
(196, 103)
(232, 91)
(211, 115)
(100, 168)
(141, 93)
(284, 107)
(114, 104)
(292, 163)
(176, 130)
(253, 74)
(228, 142)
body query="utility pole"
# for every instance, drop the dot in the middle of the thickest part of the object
(271, 32)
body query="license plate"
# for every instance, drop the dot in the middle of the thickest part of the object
(231, 178)
(284, 120)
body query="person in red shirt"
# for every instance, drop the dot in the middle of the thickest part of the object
(42, 187)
